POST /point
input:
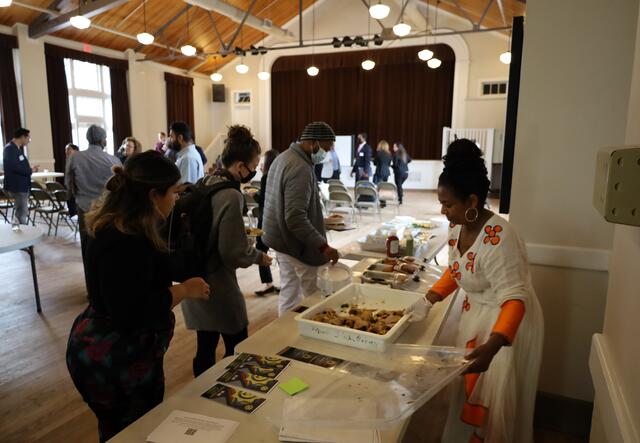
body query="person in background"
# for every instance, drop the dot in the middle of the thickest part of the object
(362, 161)
(400, 166)
(501, 321)
(202, 156)
(327, 171)
(336, 163)
(188, 160)
(87, 173)
(225, 313)
(293, 221)
(17, 173)
(160, 143)
(69, 151)
(116, 347)
(383, 162)
(265, 271)
(129, 147)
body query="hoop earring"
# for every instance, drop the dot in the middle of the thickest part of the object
(466, 215)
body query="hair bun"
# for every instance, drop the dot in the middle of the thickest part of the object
(239, 133)
(462, 150)
(117, 180)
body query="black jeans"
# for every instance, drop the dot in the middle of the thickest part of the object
(265, 271)
(400, 178)
(207, 343)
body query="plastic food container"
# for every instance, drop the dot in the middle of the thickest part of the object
(364, 296)
(332, 278)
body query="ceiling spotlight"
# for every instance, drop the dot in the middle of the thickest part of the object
(377, 40)
(425, 55)
(80, 22)
(242, 68)
(402, 29)
(434, 63)
(312, 71)
(262, 50)
(5, 3)
(360, 41)
(239, 51)
(347, 41)
(145, 38)
(505, 57)
(264, 75)
(216, 77)
(188, 50)
(368, 65)
(336, 42)
(254, 50)
(379, 11)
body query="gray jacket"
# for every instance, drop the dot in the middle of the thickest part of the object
(225, 310)
(86, 174)
(292, 221)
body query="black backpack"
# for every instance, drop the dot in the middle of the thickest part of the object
(188, 228)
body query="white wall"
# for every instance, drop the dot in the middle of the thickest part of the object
(476, 59)
(621, 325)
(569, 107)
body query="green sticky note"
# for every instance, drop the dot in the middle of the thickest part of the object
(293, 386)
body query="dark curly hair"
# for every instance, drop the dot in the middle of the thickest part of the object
(464, 171)
(239, 146)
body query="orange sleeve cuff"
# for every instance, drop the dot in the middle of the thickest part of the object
(511, 315)
(445, 285)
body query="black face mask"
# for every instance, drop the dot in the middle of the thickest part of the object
(248, 178)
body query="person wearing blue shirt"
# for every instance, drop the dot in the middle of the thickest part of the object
(188, 160)
(17, 173)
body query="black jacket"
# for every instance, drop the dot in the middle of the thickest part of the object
(383, 163)
(17, 171)
(363, 159)
(400, 167)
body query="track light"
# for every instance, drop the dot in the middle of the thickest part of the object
(377, 40)
(262, 50)
(358, 40)
(254, 50)
(347, 42)
(335, 42)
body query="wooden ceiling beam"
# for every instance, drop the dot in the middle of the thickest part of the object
(60, 22)
(237, 14)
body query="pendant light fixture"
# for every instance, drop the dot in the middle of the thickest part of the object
(368, 64)
(313, 70)
(242, 68)
(5, 3)
(505, 57)
(379, 10)
(216, 76)
(187, 49)
(402, 29)
(263, 74)
(426, 54)
(79, 21)
(434, 62)
(144, 37)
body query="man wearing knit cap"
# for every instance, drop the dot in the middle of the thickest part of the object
(87, 173)
(293, 222)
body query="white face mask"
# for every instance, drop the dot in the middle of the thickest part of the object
(318, 156)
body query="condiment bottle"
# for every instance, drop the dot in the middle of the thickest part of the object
(393, 246)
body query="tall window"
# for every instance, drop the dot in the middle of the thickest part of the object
(89, 100)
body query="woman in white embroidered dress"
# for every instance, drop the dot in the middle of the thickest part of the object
(501, 318)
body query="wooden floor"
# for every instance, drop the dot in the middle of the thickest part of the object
(38, 402)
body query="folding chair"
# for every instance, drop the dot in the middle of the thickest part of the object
(53, 186)
(62, 199)
(388, 192)
(342, 202)
(44, 206)
(335, 181)
(370, 201)
(337, 188)
(6, 203)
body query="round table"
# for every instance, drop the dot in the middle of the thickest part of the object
(22, 240)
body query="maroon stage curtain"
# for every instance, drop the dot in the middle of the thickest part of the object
(179, 100)
(401, 99)
(58, 107)
(120, 105)
(9, 106)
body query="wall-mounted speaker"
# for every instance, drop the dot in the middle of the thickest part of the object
(218, 93)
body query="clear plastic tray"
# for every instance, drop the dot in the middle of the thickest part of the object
(378, 395)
